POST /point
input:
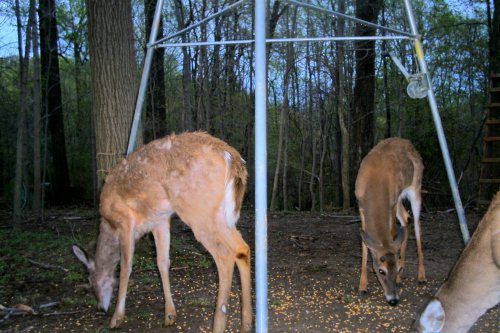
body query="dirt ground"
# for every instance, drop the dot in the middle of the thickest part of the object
(313, 272)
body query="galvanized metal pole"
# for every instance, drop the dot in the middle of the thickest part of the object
(439, 127)
(260, 167)
(144, 78)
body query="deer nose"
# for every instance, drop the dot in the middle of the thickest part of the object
(393, 302)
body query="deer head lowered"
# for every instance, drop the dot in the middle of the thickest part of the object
(473, 285)
(196, 176)
(390, 172)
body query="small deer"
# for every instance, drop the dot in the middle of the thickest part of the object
(391, 172)
(473, 285)
(201, 179)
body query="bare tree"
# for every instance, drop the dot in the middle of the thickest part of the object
(283, 127)
(52, 98)
(187, 110)
(363, 126)
(342, 113)
(37, 109)
(21, 118)
(156, 116)
(495, 37)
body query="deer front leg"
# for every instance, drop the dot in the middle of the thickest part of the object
(363, 279)
(127, 252)
(402, 255)
(162, 240)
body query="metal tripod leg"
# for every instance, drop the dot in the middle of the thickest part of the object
(439, 127)
(144, 78)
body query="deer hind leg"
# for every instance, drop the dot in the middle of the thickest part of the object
(416, 204)
(403, 217)
(127, 244)
(224, 259)
(162, 240)
(363, 278)
(243, 263)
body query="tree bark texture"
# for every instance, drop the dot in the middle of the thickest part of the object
(21, 116)
(156, 116)
(114, 78)
(52, 99)
(37, 124)
(362, 130)
(495, 38)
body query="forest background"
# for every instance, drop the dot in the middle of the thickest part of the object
(68, 86)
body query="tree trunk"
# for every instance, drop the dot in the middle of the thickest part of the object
(21, 117)
(386, 84)
(364, 88)
(37, 169)
(187, 114)
(113, 76)
(342, 113)
(284, 117)
(52, 100)
(495, 38)
(156, 114)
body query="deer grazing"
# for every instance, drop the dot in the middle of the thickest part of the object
(201, 179)
(390, 172)
(473, 285)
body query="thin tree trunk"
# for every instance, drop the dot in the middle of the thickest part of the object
(21, 119)
(187, 111)
(52, 99)
(37, 169)
(156, 114)
(342, 113)
(313, 172)
(386, 84)
(284, 116)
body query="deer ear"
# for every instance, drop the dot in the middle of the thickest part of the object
(82, 256)
(433, 317)
(400, 237)
(495, 246)
(370, 242)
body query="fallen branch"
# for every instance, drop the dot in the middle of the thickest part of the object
(179, 268)
(47, 266)
(61, 313)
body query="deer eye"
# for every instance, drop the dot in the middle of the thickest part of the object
(382, 258)
(381, 272)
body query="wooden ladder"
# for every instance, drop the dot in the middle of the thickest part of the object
(489, 179)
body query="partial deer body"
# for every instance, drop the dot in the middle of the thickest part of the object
(473, 285)
(196, 176)
(390, 172)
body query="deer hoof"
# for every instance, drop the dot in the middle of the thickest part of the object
(170, 319)
(246, 328)
(362, 293)
(116, 321)
(422, 282)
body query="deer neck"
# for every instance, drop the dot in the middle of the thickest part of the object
(473, 285)
(107, 252)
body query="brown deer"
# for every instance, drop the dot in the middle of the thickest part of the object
(201, 179)
(473, 285)
(390, 172)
